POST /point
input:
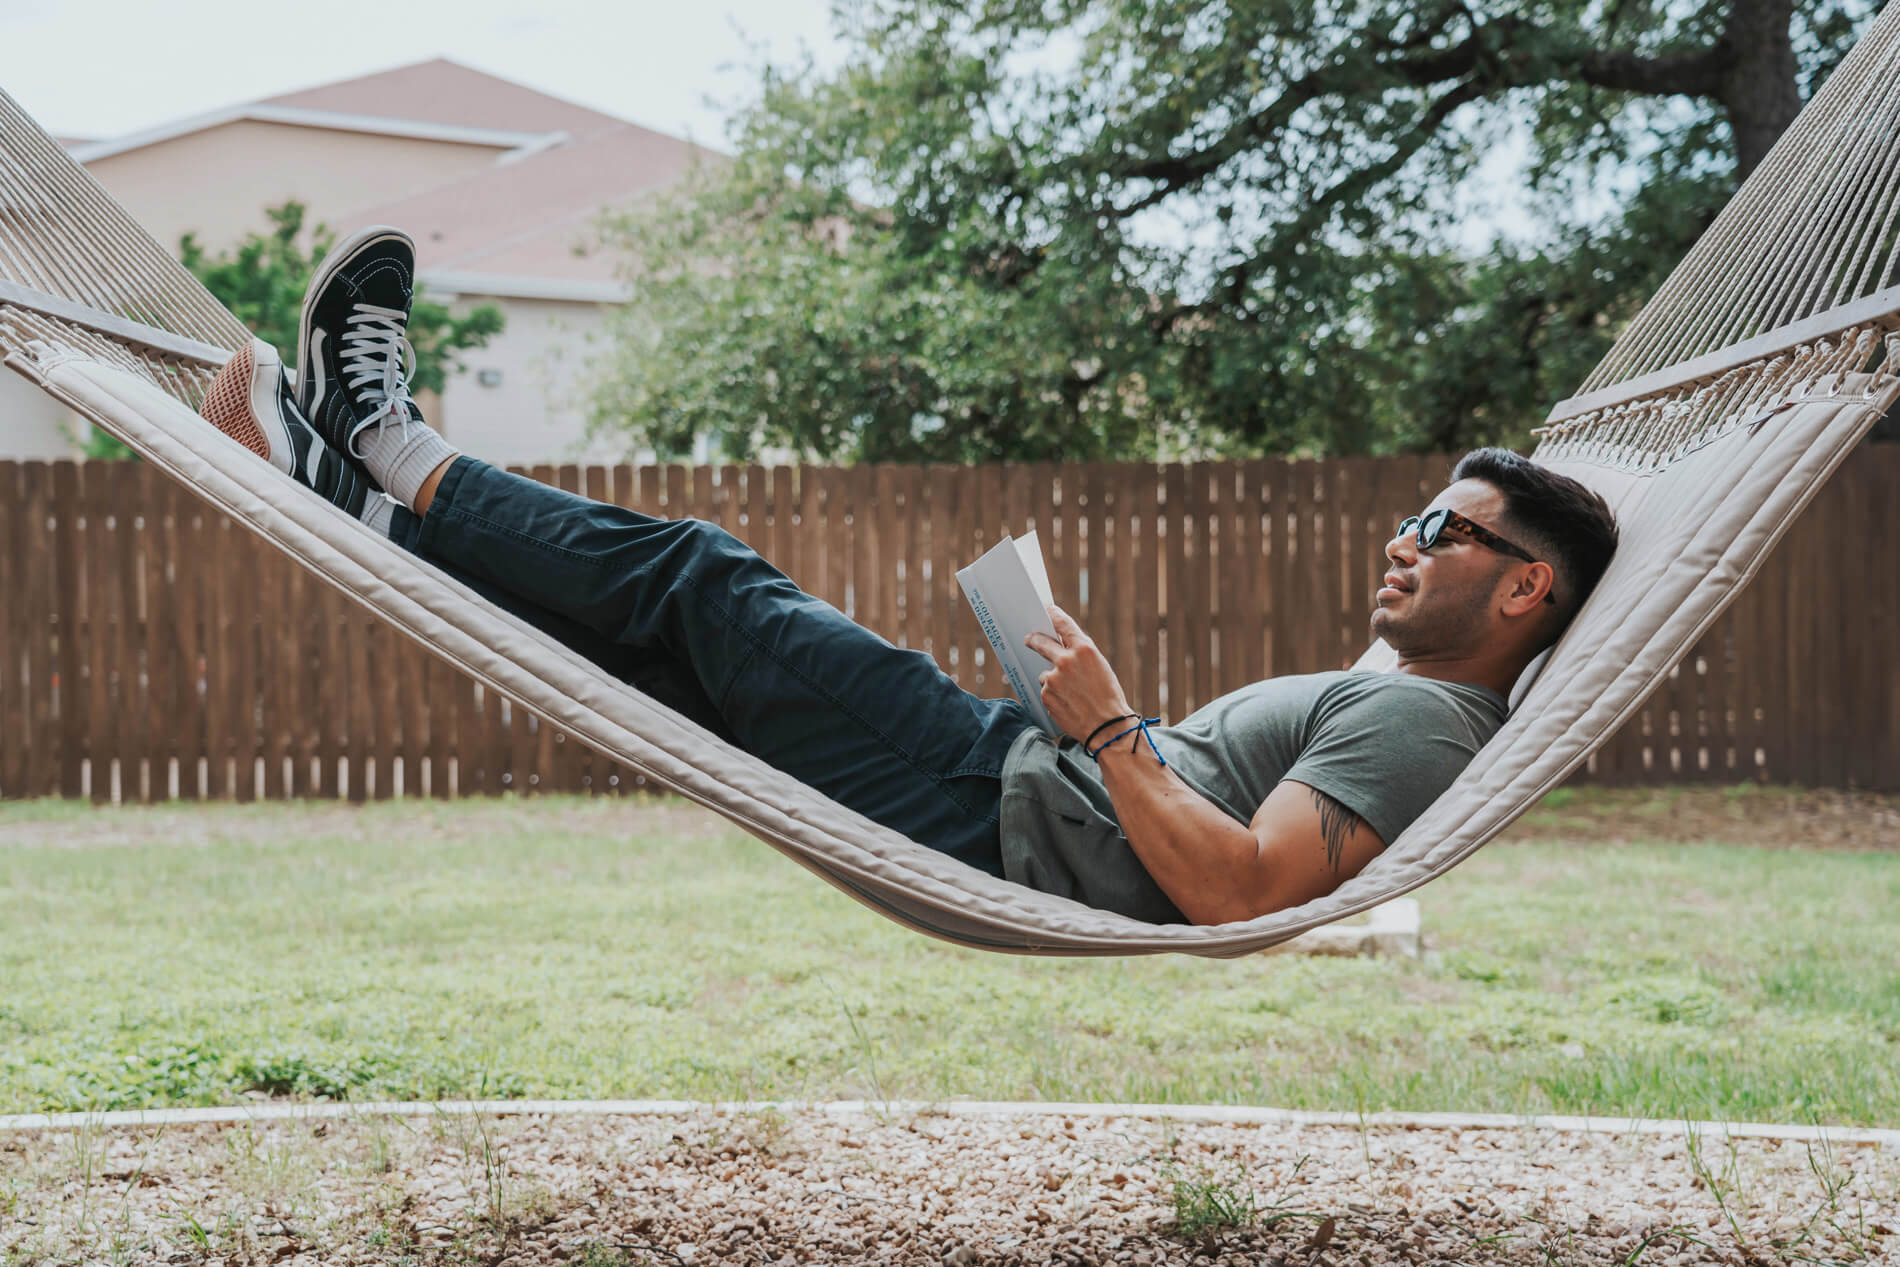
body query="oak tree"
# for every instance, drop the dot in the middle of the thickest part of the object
(1091, 228)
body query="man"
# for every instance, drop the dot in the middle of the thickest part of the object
(1264, 799)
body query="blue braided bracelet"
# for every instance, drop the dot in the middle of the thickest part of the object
(1142, 726)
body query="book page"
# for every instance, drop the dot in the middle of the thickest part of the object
(1031, 551)
(1009, 605)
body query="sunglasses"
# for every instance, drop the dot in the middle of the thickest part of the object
(1431, 527)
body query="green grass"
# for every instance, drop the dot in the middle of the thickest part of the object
(181, 956)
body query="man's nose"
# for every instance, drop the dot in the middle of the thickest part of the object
(1403, 548)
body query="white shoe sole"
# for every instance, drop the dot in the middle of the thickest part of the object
(242, 403)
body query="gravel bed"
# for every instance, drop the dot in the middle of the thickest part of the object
(924, 1188)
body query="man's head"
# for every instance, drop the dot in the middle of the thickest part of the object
(1466, 596)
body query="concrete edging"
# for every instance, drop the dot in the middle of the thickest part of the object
(1213, 1114)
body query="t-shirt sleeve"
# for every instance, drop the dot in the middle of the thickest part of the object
(1386, 755)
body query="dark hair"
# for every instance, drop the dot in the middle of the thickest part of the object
(1552, 516)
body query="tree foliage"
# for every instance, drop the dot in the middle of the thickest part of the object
(262, 281)
(1090, 228)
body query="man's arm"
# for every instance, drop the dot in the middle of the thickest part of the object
(1301, 843)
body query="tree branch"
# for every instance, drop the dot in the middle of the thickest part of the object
(1174, 173)
(1489, 53)
(1226, 293)
(1697, 73)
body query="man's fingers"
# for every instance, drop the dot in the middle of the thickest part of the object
(1043, 645)
(1064, 624)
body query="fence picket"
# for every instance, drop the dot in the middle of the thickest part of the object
(940, 512)
(360, 719)
(859, 483)
(1172, 523)
(98, 593)
(70, 689)
(248, 557)
(42, 665)
(784, 520)
(1118, 590)
(1885, 474)
(960, 533)
(909, 491)
(1198, 541)
(14, 614)
(888, 530)
(277, 661)
(1230, 596)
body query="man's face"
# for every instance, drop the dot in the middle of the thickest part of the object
(1444, 601)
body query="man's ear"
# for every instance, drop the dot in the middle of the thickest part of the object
(1530, 589)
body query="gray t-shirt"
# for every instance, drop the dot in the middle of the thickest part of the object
(1384, 745)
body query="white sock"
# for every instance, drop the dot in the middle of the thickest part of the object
(378, 512)
(401, 464)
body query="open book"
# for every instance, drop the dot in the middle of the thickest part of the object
(1008, 588)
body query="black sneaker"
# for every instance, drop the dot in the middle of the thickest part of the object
(250, 401)
(353, 359)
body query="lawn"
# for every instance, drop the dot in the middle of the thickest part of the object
(1594, 962)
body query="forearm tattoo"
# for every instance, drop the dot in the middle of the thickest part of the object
(1337, 825)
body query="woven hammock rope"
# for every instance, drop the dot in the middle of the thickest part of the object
(1715, 418)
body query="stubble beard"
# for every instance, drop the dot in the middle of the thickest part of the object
(1419, 633)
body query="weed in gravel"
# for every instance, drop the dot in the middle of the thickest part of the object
(123, 1246)
(1206, 1205)
(1837, 1182)
(1726, 1188)
(1635, 1256)
(498, 1204)
(596, 1254)
(383, 1227)
(270, 1167)
(125, 1249)
(494, 1179)
(191, 1229)
(377, 1159)
(764, 1131)
(86, 1159)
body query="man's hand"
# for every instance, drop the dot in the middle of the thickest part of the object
(1081, 691)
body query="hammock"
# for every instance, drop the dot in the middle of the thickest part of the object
(1755, 370)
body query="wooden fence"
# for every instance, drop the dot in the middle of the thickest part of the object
(150, 649)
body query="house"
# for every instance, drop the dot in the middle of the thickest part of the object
(499, 184)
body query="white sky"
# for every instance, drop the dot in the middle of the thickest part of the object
(100, 68)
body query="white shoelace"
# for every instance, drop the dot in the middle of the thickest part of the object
(376, 361)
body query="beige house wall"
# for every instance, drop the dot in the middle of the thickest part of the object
(217, 183)
(33, 426)
(538, 410)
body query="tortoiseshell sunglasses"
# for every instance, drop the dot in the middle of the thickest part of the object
(1432, 524)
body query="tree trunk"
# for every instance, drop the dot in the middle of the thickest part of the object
(1759, 89)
